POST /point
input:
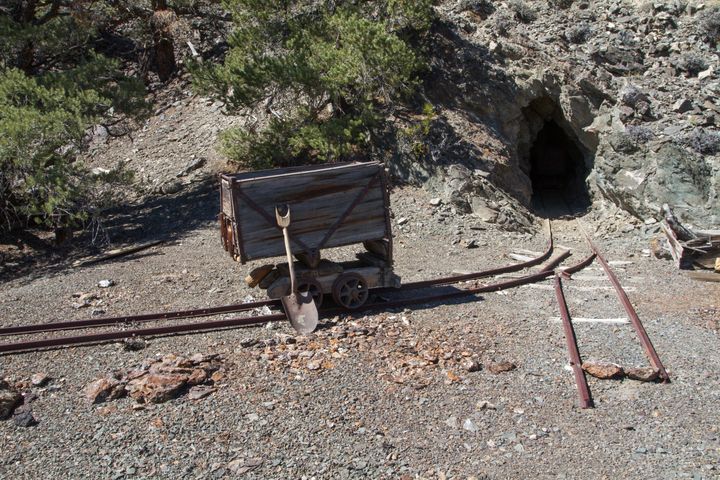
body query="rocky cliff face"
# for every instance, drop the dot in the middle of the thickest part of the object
(606, 99)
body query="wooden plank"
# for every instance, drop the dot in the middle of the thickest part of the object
(704, 276)
(300, 170)
(116, 253)
(311, 215)
(318, 197)
(611, 321)
(226, 197)
(518, 257)
(676, 249)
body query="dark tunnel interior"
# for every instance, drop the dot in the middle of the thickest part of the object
(557, 172)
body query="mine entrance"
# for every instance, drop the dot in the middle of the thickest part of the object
(557, 172)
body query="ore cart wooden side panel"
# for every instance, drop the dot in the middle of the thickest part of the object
(331, 206)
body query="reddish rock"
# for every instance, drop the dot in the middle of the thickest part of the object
(197, 377)
(501, 367)
(603, 370)
(133, 374)
(642, 374)
(156, 388)
(104, 389)
(218, 376)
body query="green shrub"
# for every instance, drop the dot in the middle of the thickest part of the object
(42, 123)
(327, 74)
(416, 135)
(53, 87)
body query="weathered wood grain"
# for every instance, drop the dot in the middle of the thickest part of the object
(318, 196)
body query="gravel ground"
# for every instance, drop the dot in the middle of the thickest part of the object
(387, 395)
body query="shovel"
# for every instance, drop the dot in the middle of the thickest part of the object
(299, 307)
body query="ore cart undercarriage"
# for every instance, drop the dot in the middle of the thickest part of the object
(331, 206)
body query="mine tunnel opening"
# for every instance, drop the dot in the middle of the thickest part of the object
(556, 162)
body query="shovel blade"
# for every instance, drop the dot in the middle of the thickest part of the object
(301, 310)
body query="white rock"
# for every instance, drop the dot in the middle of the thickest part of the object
(706, 73)
(435, 201)
(106, 283)
(470, 426)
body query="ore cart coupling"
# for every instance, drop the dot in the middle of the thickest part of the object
(332, 205)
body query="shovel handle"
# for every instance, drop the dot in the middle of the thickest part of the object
(291, 267)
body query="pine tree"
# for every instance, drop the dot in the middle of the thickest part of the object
(52, 88)
(327, 72)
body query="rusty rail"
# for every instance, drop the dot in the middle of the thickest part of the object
(647, 345)
(139, 332)
(573, 351)
(206, 312)
(127, 319)
(486, 273)
(17, 347)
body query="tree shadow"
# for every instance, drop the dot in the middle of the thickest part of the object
(163, 218)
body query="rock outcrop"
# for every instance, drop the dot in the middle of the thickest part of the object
(631, 85)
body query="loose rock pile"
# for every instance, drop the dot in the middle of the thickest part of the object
(610, 371)
(410, 357)
(16, 398)
(160, 380)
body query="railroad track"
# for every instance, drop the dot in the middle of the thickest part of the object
(116, 328)
(177, 328)
(574, 357)
(575, 360)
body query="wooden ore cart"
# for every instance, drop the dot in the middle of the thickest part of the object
(331, 205)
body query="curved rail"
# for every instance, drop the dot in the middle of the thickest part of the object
(206, 312)
(257, 320)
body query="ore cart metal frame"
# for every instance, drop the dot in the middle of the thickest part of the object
(331, 205)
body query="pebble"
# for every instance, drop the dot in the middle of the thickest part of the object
(470, 426)
(485, 405)
(25, 419)
(501, 367)
(708, 73)
(471, 365)
(39, 379)
(106, 283)
(133, 344)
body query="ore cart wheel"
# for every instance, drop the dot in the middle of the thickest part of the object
(314, 288)
(350, 290)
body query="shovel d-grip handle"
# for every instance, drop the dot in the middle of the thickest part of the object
(283, 221)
